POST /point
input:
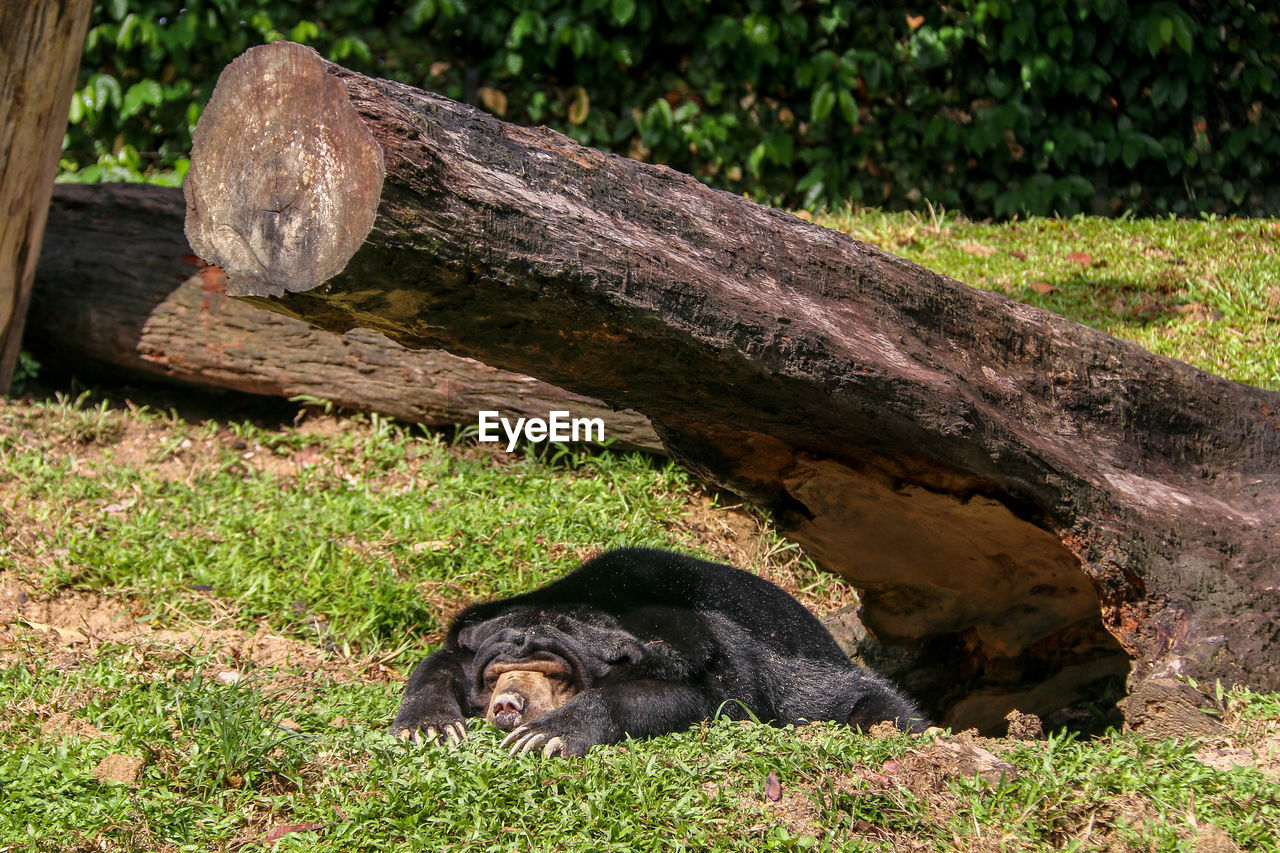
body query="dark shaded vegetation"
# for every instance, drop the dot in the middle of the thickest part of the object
(991, 107)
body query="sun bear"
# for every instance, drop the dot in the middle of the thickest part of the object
(635, 643)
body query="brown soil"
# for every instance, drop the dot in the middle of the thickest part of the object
(69, 628)
(124, 769)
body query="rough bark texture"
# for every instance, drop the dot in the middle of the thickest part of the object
(1028, 505)
(40, 43)
(118, 289)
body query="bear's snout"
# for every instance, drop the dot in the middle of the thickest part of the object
(521, 695)
(506, 708)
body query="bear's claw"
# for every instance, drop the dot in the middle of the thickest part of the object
(455, 733)
(523, 741)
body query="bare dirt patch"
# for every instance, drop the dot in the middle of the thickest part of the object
(69, 627)
(916, 798)
(63, 725)
(124, 769)
(1250, 743)
(898, 787)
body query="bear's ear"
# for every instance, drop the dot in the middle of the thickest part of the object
(623, 648)
(466, 635)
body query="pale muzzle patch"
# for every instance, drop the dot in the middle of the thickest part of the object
(521, 695)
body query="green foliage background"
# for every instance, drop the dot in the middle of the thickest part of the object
(990, 107)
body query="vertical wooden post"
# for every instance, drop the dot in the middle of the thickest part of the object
(40, 45)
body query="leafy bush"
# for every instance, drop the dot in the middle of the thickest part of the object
(993, 107)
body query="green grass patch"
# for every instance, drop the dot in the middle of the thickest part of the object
(369, 536)
(1203, 292)
(227, 764)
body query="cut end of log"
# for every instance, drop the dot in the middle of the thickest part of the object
(285, 178)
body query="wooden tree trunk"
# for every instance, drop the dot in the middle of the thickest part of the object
(1028, 505)
(40, 44)
(118, 290)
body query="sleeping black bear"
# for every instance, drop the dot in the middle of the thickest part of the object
(635, 643)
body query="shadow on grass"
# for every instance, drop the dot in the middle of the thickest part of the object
(1112, 302)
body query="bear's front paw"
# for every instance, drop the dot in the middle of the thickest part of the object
(453, 731)
(571, 729)
(525, 739)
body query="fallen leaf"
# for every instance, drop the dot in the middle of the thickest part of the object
(1080, 258)
(1019, 254)
(581, 106)
(977, 249)
(1198, 312)
(772, 787)
(70, 636)
(961, 759)
(306, 456)
(1042, 287)
(915, 22)
(432, 545)
(494, 100)
(278, 832)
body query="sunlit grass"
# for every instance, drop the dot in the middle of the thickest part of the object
(1203, 292)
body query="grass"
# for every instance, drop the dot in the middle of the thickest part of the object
(1207, 293)
(226, 604)
(222, 770)
(366, 536)
(230, 603)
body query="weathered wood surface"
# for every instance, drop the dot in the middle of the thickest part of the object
(118, 290)
(1028, 505)
(40, 43)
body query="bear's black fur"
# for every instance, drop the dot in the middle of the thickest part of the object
(639, 642)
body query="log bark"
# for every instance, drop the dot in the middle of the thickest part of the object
(40, 44)
(118, 291)
(1028, 505)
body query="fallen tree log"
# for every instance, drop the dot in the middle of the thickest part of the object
(117, 289)
(1028, 505)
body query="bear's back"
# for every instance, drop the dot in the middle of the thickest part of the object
(628, 578)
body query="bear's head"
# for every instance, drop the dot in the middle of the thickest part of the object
(528, 662)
